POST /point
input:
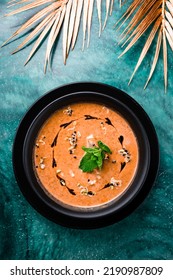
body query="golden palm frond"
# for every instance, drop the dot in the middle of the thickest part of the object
(156, 15)
(53, 15)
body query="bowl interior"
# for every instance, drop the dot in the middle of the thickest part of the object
(122, 109)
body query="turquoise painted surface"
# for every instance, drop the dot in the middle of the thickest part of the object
(25, 234)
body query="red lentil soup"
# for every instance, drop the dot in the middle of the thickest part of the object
(58, 152)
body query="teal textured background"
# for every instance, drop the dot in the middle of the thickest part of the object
(25, 234)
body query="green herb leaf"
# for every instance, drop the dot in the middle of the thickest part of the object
(94, 157)
(103, 155)
(90, 150)
(104, 147)
(99, 161)
(88, 163)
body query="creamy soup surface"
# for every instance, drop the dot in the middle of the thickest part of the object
(58, 152)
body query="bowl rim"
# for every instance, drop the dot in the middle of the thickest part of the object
(68, 217)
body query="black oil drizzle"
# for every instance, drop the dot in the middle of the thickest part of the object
(63, 183)
(121, 139)
(64, 125)
(71, 191)
(90, 193)
(54, 164)
(106, 186)
(108, 121)
(88, 117)
(55, 140)
(123, 164)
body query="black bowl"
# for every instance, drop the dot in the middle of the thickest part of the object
(148, 154)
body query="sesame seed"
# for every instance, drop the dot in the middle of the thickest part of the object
(62, 182)
(42, 166)
(72, 173)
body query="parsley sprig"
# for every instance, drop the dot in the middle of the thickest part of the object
(94, 157)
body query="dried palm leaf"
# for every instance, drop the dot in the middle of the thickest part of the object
(49, 20)
(156, 15)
